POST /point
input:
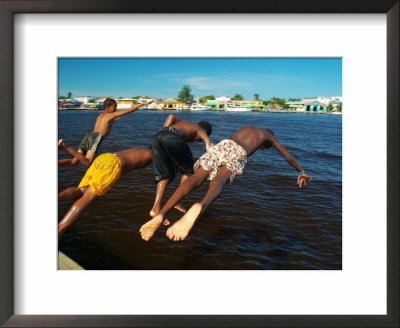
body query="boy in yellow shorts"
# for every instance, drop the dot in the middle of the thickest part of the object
(99, 178)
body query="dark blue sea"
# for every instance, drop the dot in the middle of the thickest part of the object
(262, 221)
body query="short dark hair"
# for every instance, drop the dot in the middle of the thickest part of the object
(109, 102)
(206, 126)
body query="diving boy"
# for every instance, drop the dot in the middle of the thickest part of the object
(88, 147)
(99, 178)
(171, 153)
(219, 164)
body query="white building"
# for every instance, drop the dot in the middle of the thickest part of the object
(321, 100)
(83, 99)
(222, 99)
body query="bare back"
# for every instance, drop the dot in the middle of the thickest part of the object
(251, 138)
(189, 130)
(134, 158)
(104, 123)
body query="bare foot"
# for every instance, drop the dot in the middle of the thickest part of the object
(180, 208)
(181, 228)
(149, 228)
(61, 144)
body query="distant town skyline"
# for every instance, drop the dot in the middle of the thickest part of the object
(164, 77)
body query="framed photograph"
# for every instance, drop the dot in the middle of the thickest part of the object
(45, 41)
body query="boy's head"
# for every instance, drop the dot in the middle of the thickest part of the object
(110, 105)
(206, 126)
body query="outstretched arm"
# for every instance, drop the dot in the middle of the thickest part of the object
(130, 110)
(201, 135)
(302, 178)
(171, 120)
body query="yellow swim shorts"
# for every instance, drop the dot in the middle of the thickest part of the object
(102, 174)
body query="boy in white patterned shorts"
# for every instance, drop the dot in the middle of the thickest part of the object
(219, 164)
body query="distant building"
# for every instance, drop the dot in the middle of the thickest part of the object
(316, 104)
(170, 103)
(297, 106)
(222, 103)
(83, 100)
(125, 103)
(218, 103)
(100, 100)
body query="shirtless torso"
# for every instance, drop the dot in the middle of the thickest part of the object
(252, 138)
(134, 158)
(189, 130)
(104, 123)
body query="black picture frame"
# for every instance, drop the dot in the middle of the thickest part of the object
(10, 7)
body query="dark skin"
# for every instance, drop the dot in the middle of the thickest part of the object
(190, 132)
(251, 139)
(131, 159)
(103, 125)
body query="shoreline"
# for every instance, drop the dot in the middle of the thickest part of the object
(199, 111)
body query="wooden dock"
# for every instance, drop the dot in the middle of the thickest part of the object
(66, 263)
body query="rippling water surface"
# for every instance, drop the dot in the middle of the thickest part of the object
(261, 221)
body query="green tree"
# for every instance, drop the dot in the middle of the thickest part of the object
(136, 97)
(185, 95)
(294, 99)
(339, 107)
(279, 101)
(256, 96)
(91, 101)
(330, 107)
(121, 97)
(69, 95)
(204, 99)
(62, 97)
(237, 97)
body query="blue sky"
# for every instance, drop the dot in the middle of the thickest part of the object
(164, 77)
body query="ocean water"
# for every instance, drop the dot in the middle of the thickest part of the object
(261, 221)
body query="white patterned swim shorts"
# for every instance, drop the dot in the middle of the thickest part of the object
(228, 153)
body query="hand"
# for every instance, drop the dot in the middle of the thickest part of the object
(303, 179)
(209, 145)
(150, 102)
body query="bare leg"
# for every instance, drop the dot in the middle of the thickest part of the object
(71, 193)
(179, 207)
(76, 210)
(149, 228)
(68, 162)
(161, 186)
(180, 229)
(78, 156)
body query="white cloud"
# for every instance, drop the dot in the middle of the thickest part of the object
(211, 83)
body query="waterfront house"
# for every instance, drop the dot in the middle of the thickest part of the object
(297, 106)
(316, 104)
(83, 99)
(170, 103)
(219, 103)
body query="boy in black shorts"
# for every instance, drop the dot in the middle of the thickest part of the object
(171, 153)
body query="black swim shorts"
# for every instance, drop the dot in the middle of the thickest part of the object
(91, 142)
(171, 154)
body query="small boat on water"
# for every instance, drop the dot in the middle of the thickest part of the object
(199, 107)
(238, 109)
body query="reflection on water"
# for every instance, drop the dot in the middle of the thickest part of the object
(261, 221)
